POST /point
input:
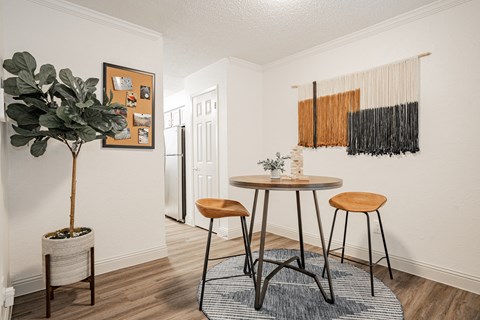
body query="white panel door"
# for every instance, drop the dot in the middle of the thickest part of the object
(205, 166)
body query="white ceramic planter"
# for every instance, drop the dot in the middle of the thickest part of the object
(69, 258)
(275, 174)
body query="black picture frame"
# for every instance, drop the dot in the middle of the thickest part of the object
(145, 106)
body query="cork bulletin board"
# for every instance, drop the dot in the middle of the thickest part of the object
(134, 89)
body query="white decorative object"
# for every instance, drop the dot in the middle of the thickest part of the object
(69, 258)
(275, 174)
(296, 165)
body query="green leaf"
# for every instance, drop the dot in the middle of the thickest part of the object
(16, 110)
(25, 132)
(67, 77)
(10, 86)
(26, 83)
(102, 109)
(50, 121)
(91, 82)
(25, 61)
(91, 85)
(63, 92)
(38, 147)
(10, 66)
(54, 133)
(74, 125)
(86, 133)
(71, 136)
(62, 114)
(118, 122)
(90, 114)
(36, 103)
(70, 81)
(21, 113)
(68, 113)
(30, 127)
(117, 105)
(81, 88)
(101, 124)
(105, 98)
(86, 104)
(47, 75)
(18, 140)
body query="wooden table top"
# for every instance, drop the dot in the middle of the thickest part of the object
(264, 182)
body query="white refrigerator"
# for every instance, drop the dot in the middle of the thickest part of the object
(175, 197)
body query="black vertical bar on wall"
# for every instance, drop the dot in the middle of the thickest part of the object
(314, 114)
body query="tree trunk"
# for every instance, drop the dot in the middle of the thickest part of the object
(72, 196)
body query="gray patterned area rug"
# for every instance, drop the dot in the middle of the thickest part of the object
(292, 295)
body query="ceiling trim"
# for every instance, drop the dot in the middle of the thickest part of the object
(245, 64)
(383, 26)
(98, 17)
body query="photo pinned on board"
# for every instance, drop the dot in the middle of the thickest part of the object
(143, 135)
(125, 134)
(122, 83)
(144, 92)
(142, 120)
(131, 99)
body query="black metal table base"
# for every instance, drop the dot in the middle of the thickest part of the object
(261, 288)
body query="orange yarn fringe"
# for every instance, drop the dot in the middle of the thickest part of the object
(332, 119)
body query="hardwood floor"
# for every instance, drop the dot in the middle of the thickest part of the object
(166, 288)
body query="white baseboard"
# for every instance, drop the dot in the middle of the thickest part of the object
(432, 272)
(232, 233)
(36, 282)
(5, 313)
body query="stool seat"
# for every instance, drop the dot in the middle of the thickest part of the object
(213, 208)
(358, 201)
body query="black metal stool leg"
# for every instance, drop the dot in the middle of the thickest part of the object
(205, 264)
(330, 239)
(370, 252)
(92, 276)
(300, 231)
(344, 236)
(252, 223)
(48, 289)
(248, 252)
(385, 245)
(330, 300)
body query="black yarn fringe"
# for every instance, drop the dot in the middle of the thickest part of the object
(384, 131)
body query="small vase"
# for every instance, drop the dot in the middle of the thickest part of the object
(275, 174)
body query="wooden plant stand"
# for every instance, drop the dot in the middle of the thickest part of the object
(49, 290)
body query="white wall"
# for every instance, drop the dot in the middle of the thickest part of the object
(431, 218)
(245, 119)
(119, 191)
(175, 101)
(4, 255)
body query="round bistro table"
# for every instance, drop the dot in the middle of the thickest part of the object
(264, 182)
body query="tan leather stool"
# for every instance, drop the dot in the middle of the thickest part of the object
(221, 208)
(360, 202)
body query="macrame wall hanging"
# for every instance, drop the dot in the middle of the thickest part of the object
(371, 112)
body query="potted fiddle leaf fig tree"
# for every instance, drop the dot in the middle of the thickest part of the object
(64, 108)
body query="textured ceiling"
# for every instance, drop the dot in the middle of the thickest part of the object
(199, 32)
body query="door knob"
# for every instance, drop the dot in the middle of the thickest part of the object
(196, 169)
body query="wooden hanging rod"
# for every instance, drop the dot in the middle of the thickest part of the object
(421, 55)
